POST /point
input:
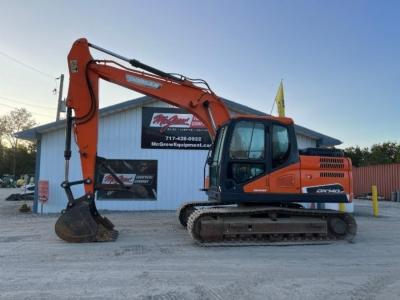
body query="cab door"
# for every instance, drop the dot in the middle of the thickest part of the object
(245, 156)
(284, 175)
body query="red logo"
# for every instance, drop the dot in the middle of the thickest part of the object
(170, 120)
(127, 179)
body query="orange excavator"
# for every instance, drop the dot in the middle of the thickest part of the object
(258, 182)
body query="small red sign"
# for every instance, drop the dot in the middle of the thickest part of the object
(43, 191)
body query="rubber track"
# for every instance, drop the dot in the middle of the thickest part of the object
(276, 239)
(186, 205)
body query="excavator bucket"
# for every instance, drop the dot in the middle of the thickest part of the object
(81, 224)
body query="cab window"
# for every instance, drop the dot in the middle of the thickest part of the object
(248, 141)
(247, 151)
(280, 145)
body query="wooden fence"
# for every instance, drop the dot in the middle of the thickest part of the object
(385, 177)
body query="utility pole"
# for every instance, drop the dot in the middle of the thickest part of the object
(60, 92)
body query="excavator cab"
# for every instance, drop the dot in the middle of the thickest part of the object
(245, 151)
(255, 160)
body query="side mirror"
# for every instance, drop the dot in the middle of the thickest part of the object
(209, 160)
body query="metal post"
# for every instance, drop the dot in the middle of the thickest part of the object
(60, 92)
(342, 207)
(375, 205)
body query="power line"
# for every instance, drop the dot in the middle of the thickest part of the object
(19, 101)
(33, 113)
(26, 65)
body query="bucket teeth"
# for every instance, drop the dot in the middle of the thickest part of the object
(78, 225)
(106, 235)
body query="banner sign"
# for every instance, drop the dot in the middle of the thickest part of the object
(139, 176)
(173, 128)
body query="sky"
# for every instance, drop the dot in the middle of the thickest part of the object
(339, 60)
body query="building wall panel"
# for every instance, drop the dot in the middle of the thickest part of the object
(305, 142)
(180, 172)
(385, 177)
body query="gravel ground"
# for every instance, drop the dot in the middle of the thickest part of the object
(154, 258)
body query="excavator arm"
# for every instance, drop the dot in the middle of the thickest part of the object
(80, 221)
(83, 98)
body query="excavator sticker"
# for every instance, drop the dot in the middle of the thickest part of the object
(142, 82)
(327, 188)
(73, 65)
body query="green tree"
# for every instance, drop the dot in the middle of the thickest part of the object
(17, 120)
(359, 156)
(25, 160)
(1, 142)
(385, 153)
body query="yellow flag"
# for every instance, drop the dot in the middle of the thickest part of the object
(280, 101)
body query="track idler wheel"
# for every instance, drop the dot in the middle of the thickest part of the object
(81, 224)
(184, 214)
(343, 226)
